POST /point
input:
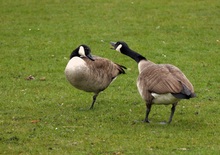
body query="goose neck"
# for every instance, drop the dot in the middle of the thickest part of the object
(134, 55)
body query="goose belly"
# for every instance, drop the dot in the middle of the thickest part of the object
(164, 98)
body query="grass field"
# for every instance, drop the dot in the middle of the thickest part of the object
(47, 115)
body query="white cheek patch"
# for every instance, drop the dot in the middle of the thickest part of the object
(81, 51)
(119, 48)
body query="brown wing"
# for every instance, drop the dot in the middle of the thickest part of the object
(103, 71)
(164, 79)
(176, 72)
(106, 66)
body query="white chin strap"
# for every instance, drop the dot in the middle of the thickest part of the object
(119, 48)
(81, 51)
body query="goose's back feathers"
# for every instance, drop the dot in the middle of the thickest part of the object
(162, 79)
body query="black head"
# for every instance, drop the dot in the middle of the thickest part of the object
(82, 50)
(119, 46)
(123, 48)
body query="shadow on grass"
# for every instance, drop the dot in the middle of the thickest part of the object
(182, 124)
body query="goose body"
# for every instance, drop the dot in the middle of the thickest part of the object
(158, 83)
(91, 73)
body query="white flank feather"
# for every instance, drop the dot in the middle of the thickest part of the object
(164, 98)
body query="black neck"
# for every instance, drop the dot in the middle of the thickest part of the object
(134, 55)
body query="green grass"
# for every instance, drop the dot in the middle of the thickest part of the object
(51, 117)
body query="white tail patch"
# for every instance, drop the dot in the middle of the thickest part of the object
(119, 48)
(164, 98)
(82, 51)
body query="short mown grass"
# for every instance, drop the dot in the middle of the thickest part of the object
(47, 115)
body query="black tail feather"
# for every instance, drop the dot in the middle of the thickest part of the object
(186, 93)
(121, 69)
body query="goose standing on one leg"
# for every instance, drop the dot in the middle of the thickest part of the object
(91, 73)
(158, 83)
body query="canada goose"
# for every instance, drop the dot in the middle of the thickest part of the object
(158, 83)
(91, 73)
